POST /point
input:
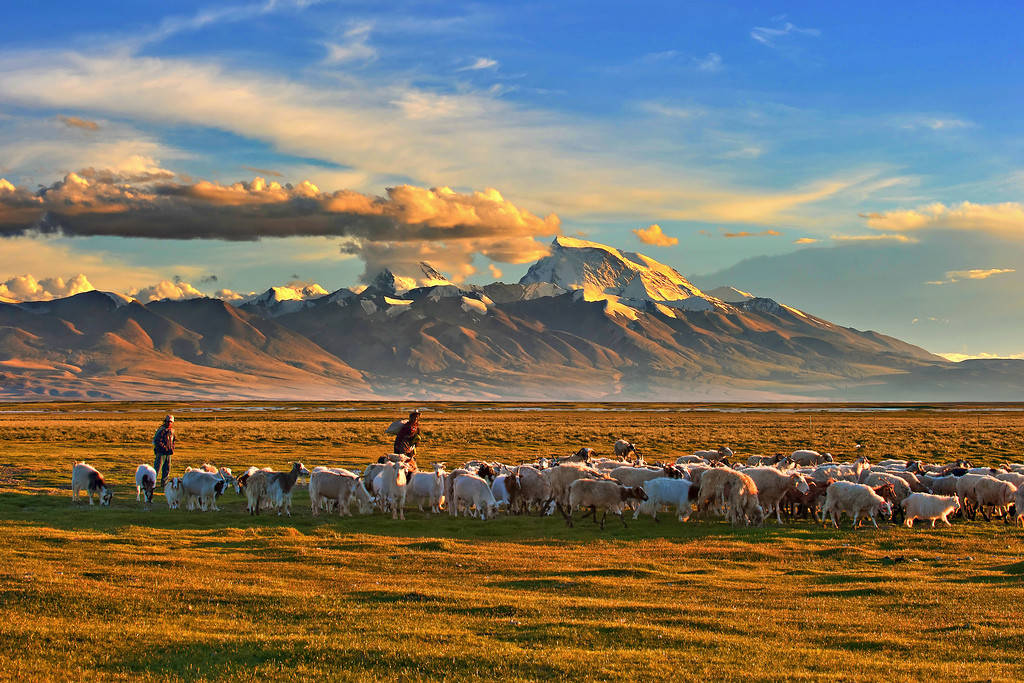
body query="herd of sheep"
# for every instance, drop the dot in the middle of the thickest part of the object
(804, 483)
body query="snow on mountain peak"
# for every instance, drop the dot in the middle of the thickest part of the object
(602, 271)
(730, 295)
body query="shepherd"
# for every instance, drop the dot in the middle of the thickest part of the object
(163, 448)
(408, 436)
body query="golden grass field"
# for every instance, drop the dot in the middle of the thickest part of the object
(129, 593)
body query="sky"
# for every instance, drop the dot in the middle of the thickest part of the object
(863, 162)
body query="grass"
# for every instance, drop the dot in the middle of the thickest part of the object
(126, 593)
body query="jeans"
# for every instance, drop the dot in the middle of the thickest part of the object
(167, 466)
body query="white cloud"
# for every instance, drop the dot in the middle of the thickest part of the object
(480, 64)
(972, 274)
(355, 47)
(770, 36)
(28, 288)
(805, 240)
(935, 123)
(710, 63)
(166, 289)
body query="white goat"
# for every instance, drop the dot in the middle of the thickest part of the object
(929, 508)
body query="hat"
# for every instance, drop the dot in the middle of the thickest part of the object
(169, 418)
(415, 411)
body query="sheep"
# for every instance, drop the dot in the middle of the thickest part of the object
(808, 457)
(965, 490)
(943, 486)
(527, 486)
(332, 485)
(499, 490)
(173, 492)
(913, 481)
(202, 488)
(394, 488)
(994, 493)
(666, 491)
(582, 455)
(561, 478)
(1018, 503)
(690, 460)
(722, 453)
(736, 491)
(928, 507)
(772, 486)
(636, 476)
(758, 460)
(603, 493)
(853, 499)
(623, 448)
(473, 491)
(145, 480)
(1015, 478)
(428, 487)
(802, 503)
(88, 478)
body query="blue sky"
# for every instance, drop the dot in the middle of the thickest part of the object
(796, 128)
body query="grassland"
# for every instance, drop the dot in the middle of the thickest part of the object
(126, 593)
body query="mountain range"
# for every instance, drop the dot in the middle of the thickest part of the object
(587, 322)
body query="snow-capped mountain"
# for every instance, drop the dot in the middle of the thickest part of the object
(283, 299)
(601, 272)
(730, 295)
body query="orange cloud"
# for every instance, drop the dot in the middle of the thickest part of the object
(653, 235)
(805, 240)
(1006, 218)
(75, 122)
(768, 233)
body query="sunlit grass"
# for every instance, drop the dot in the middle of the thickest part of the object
(131, 593)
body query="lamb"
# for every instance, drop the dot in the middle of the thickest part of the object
(928, 507)
(428, 488)
(853, 499)
(603, 493)
(473, 491)
(994, 493)
(808, 457)
(338, 487)
(772, 485)
(173, 492)
(665, 491)
(88, 477)
(145, 480)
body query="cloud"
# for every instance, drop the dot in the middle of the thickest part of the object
(28, 288)
(805, 240)
(972, 274)
(653, 235)
(957, 357)
(874, 238)
(744, 233)
(75, 122)
(355, 47)
(495, 271)
(166, 289)
(710, 63)
(1006, 219)
(231, 295)
(935, 123)
(480, 64)
(407, 225)
(771, 36)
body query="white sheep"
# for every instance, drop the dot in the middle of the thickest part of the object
(666, 491)
(202, 488)
(427, 487)
(772, 486)
(855, 500)
(472, 491)
(722, 452)
(928, 507)
(87, 478)
(394, 485)
(994, 493)
(338, 487)
(145, 480)
(608, 495)
(805, 457)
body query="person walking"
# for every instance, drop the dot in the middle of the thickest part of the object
(163, 448)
